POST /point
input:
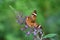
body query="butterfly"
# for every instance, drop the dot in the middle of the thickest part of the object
(29, 21)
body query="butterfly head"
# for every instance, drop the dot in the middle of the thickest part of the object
(34, 14)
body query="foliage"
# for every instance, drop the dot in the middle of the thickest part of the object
(48, 12)
(49, 36)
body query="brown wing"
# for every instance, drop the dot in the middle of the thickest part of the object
(29, 22)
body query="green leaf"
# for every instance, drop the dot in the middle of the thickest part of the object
(49, 35)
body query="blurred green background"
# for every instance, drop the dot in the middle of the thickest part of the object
(48, 15)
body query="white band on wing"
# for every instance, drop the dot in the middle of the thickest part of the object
(39, 26)
(34, 14)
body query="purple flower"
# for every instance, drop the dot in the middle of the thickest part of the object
(28, 33)
(35, 33)
(41, 33)
(26, 26)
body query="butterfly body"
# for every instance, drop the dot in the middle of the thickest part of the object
(29, 22)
